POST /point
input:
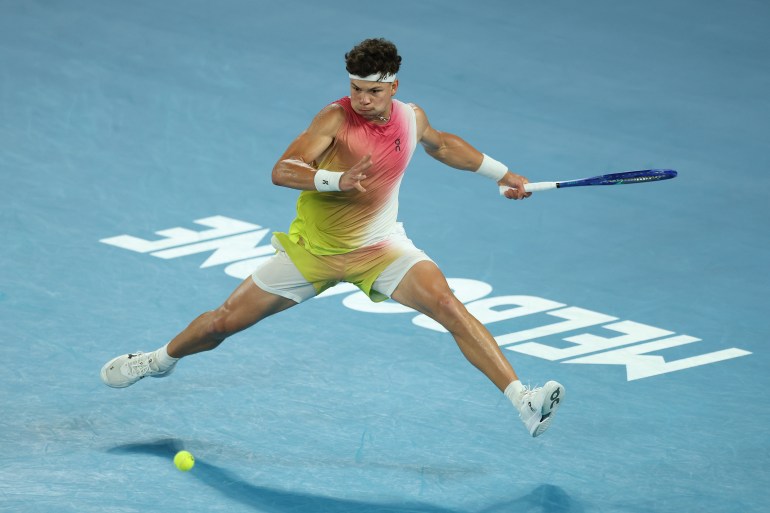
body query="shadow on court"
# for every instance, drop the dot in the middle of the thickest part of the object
(543, 499)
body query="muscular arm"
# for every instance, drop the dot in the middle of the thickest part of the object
(294, 170)
(445, 147)
(455, 152)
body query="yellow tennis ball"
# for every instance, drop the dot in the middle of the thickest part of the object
(184, 461)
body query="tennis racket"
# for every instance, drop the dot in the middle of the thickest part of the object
(647, 175)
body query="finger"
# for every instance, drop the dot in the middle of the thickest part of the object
(513, 193)
(365, 165)
(525, 194)
(358, 168)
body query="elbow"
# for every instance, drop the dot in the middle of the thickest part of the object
(287, 173)
(439, 154)
(278, 175)
(433, 152)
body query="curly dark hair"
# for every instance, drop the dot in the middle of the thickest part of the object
(372, 56)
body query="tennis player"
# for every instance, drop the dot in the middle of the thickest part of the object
(349, 164)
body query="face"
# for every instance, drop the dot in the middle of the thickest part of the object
(372, 99)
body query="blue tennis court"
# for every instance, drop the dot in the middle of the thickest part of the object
(136, 143)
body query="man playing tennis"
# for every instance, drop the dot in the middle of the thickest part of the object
(348, 164)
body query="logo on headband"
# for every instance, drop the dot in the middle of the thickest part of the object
(375, 77)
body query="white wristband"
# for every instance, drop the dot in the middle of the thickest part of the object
(492, 169)
(326, 181)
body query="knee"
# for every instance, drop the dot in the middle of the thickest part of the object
(449, 311)
(220, 323)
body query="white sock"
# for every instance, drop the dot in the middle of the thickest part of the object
(513, 392)
(163, 360)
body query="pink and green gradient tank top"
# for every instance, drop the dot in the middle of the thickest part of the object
(332, 223)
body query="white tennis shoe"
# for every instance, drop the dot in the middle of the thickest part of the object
(127, 369)
(538, 406)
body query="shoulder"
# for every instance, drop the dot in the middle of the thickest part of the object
(329, 119)
(421, 118)
(417, 109)
(333, 111)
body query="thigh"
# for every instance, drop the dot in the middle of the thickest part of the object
(408, 255)
(249, 304)
(424, 288)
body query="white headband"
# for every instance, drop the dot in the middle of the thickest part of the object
(376, 77)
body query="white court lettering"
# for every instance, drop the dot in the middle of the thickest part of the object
(235, 243)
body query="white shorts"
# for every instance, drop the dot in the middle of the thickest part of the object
(279, 275)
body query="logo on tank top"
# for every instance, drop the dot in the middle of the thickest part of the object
(398, 144)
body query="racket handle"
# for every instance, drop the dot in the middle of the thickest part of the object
(532, 187)
(539, 186)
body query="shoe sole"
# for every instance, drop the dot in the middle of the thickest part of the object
(554, 397)
(542, 427)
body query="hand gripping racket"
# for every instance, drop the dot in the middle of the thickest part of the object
(647, 175)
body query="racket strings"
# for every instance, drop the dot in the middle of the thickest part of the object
(638, 179)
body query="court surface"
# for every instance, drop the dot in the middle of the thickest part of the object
(136, 143)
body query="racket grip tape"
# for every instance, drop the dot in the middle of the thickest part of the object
(532, 187)
(540, 186)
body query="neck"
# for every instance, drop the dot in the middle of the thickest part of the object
(385, 116)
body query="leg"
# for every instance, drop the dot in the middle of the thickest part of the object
(425, 289)
(246, 306)
(281, 286)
